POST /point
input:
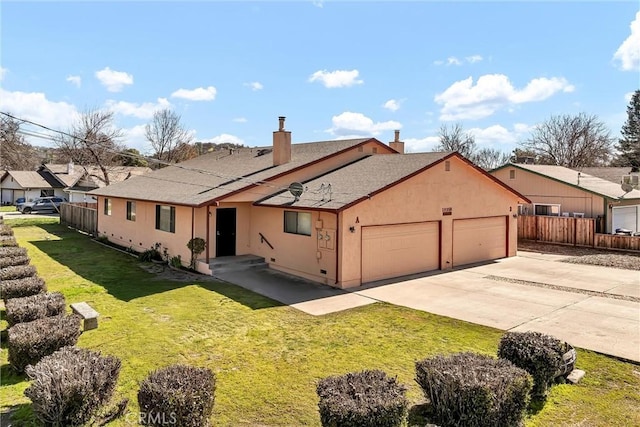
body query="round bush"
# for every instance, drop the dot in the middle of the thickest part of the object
(536, 353)
(474, 390)
(69, 386)
(9, 261)
(362, 399)
(12, 251)
(27, 309)
(24, 287)
(17, 272)
(177, 395)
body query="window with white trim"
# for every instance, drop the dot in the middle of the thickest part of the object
(297, 223)
(107, 206)
(546, 209)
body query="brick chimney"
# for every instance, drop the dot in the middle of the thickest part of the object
(396, 144)
(281, 145)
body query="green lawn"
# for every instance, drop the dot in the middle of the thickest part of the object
(268, 357)
(7, 209)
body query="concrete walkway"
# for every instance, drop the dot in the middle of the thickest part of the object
(596, 308)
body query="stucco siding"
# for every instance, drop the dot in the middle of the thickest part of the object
(304, 256)
(542, 190)
(462, 191)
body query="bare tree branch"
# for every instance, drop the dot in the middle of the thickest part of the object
(455, 139)
(93, 140)
(15, 152)
(571, 141)
(167, 136)
(490, 158)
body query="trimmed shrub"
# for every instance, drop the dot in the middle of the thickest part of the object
(474, 390)
(17, 272)
(8, 241)
(24, 287)
(29, 342)
(10, 261)
(178, 394)
(5, 230)
(12, 251)
(536, 353)
(69, 387)
(27, 309)
(362, 399)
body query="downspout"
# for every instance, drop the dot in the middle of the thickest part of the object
(193, 216)
(207, 245)
(97, 216)
(337, 247)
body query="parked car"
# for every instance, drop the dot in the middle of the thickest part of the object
(42, 204)
(19, 202)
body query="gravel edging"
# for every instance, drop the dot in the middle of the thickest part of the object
(624, 262)
(564, 288)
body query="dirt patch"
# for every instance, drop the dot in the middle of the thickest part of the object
(164, 272)
(583, 255)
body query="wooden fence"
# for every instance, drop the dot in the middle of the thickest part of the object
(572, 231)
(79, 217)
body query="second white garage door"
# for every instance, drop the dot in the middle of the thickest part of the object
(398, 250)
(479, 239)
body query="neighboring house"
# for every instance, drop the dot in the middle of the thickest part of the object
(79, 180)
(590, 193)
(341, 212)
(28, 184)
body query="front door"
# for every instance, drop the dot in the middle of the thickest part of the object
(225, 232)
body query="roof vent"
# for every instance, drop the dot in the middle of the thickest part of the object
(263, 151)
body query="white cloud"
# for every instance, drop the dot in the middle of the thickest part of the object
(113, 80)
(224, 138)
(628, 54)
(392, 104)
(3, 72)
(338, 78)
(254, 86)
(135, 138)
(76, 80)
(35, 107)
(198, 94)
(628, 96)
(416, 145)
(495, 134)
(318, 3)
(452, 60)
(357, 124)
(141, 111)
(473, 59)
(240, 120)
(462, 100)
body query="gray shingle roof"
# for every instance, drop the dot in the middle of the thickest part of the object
(587, 182)
(356, 181)
(213, 175)
(29, 179)
(610, 174)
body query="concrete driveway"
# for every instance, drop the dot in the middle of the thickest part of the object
(18, 215)
(596, 308)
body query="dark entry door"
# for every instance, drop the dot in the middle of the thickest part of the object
(225, 232)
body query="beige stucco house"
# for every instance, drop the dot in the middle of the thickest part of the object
(341, 212)
(28, 185)
(589, 193)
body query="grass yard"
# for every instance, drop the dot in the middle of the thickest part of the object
(10, 208)
(268, 357)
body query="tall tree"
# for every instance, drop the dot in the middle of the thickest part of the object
(454, 138)
(15, 152)
(93, 140)
(166, 134)
(490, 158)
(629, 145)
(573, 141)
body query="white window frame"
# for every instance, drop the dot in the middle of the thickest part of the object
(535, 205)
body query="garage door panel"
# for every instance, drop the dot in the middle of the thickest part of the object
(397, 250)
(479, 239)
(625, 217)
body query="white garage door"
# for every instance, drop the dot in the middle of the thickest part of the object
(479, 239)
(625, 217)
(398, 250)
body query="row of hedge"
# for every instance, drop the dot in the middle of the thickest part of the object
(462, 389)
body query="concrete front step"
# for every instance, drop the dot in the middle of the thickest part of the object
(236, 263)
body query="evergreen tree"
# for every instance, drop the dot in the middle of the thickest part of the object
(629, 145)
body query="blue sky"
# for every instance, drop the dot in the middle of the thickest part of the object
(335, 69)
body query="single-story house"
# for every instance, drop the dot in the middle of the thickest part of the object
(342, 212)
(589, 193)
(79, 180)
(29, 185)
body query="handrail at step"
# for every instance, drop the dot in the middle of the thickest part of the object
(264, 240)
